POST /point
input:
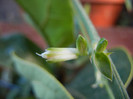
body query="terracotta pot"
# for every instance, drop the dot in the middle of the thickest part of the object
(104, 13)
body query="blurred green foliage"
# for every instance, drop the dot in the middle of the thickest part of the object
(53, 18)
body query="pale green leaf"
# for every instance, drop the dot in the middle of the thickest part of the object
(40, 78)
(40, 89)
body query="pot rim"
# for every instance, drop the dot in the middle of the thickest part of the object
(103, 1)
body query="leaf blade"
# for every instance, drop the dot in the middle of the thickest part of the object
(34, 72)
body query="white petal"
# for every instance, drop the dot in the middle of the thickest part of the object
(59, 54)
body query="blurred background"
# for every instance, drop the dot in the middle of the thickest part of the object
(113, 20)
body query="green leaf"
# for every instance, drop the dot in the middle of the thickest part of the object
(53, 18)
(81, 45)
(102, 62)
(39, 90)
(41, 80)
(81, 86)
(102, 44)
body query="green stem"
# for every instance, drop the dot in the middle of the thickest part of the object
(94, 37)
(109, 90)
(87, 23)
(119, 82)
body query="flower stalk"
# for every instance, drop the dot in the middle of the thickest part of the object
(94, 38)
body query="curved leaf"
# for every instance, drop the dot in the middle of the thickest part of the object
(102, 62)
(40, 89)
(41, 80)
(53, 18)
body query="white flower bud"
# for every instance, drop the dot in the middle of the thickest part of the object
(59, 54)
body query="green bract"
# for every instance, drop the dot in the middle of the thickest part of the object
(102, 62)
(81, 45)
(45, 86)
(102, 44)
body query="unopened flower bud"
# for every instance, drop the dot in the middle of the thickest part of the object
(102, 44)
(81, 45)
(59, 54)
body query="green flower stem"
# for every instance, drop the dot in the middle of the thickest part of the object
(128, 4)
(94, 37)
(107, 87)
(84, 32)
(87, 23)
